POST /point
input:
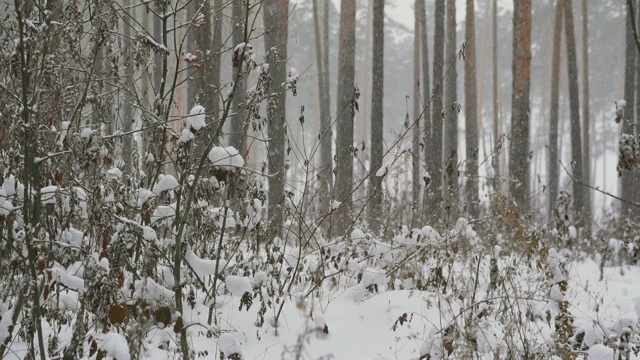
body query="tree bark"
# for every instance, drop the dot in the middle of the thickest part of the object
(579, 191)
(553, 111)
(450, 110)
(586, 129)
(434, 130)
(346, 110)
(471, 112)
(519, 145)
(275, 17)
(627, 183)
(415, 163)
(236, 138)
(377, 119)
(321, 21)
(496, 110)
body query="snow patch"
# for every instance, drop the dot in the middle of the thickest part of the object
(226, 157)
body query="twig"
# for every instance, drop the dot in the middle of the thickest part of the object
(589, 186)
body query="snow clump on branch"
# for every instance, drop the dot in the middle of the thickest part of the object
(226, 157)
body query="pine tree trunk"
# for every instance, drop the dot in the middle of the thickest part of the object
(554, 155)
(346, 110)
(471, 111)
(321, 21)
(236, 138)
(275, 17)
(635, 192)
(377, 119)
(579, 198)
(496, 110)
(585, 111)
(424, 47)
(450, 141)
(519, 145)
(415, 165)
(627, 183)
(434, 132)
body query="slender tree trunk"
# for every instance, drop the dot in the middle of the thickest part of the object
(346, 112)
(554, 155)
(214, 94)
(377, 119)
(627, 183)
(636, 129)
(424, 47)
(434, 130)
(579, 191)
(236, 138)
(519, 145)
(496, 110)
(451, 110)
(321, 21)
(585, 111)
(276, 13)
(471, 111)
(127, 98)
(417, 109)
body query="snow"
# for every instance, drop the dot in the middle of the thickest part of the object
(47, 194)
(114, 173)
(86, 135)
(335, 204)
(238, 285)
(196, 119)
(163, 212)
(226, 157)
(64, 128)
(203, 267)
(5, 208)
(357, 234)
(115, 345)
(9, 185)
(5, 322)
(186, 136)
(148, 233)
(72, 237)
(600, 351)
(229, 345)
(189, 57)
(383, 169)
(71, 281)
(165, 183)
(143, 196)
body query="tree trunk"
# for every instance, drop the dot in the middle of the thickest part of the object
(519, 145)
(627, 183)
(434, 131)
(128, 97)
(415, 164)
(554, 155)
(346, 110)
(579, 191)
(377, 119)
(424, 47)
(236, 138)
(321, 21)
(275, 17)
(635, 192)
(471, 112)
(585, 111)
(214, 94)
(496, 110)
(451, 110)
